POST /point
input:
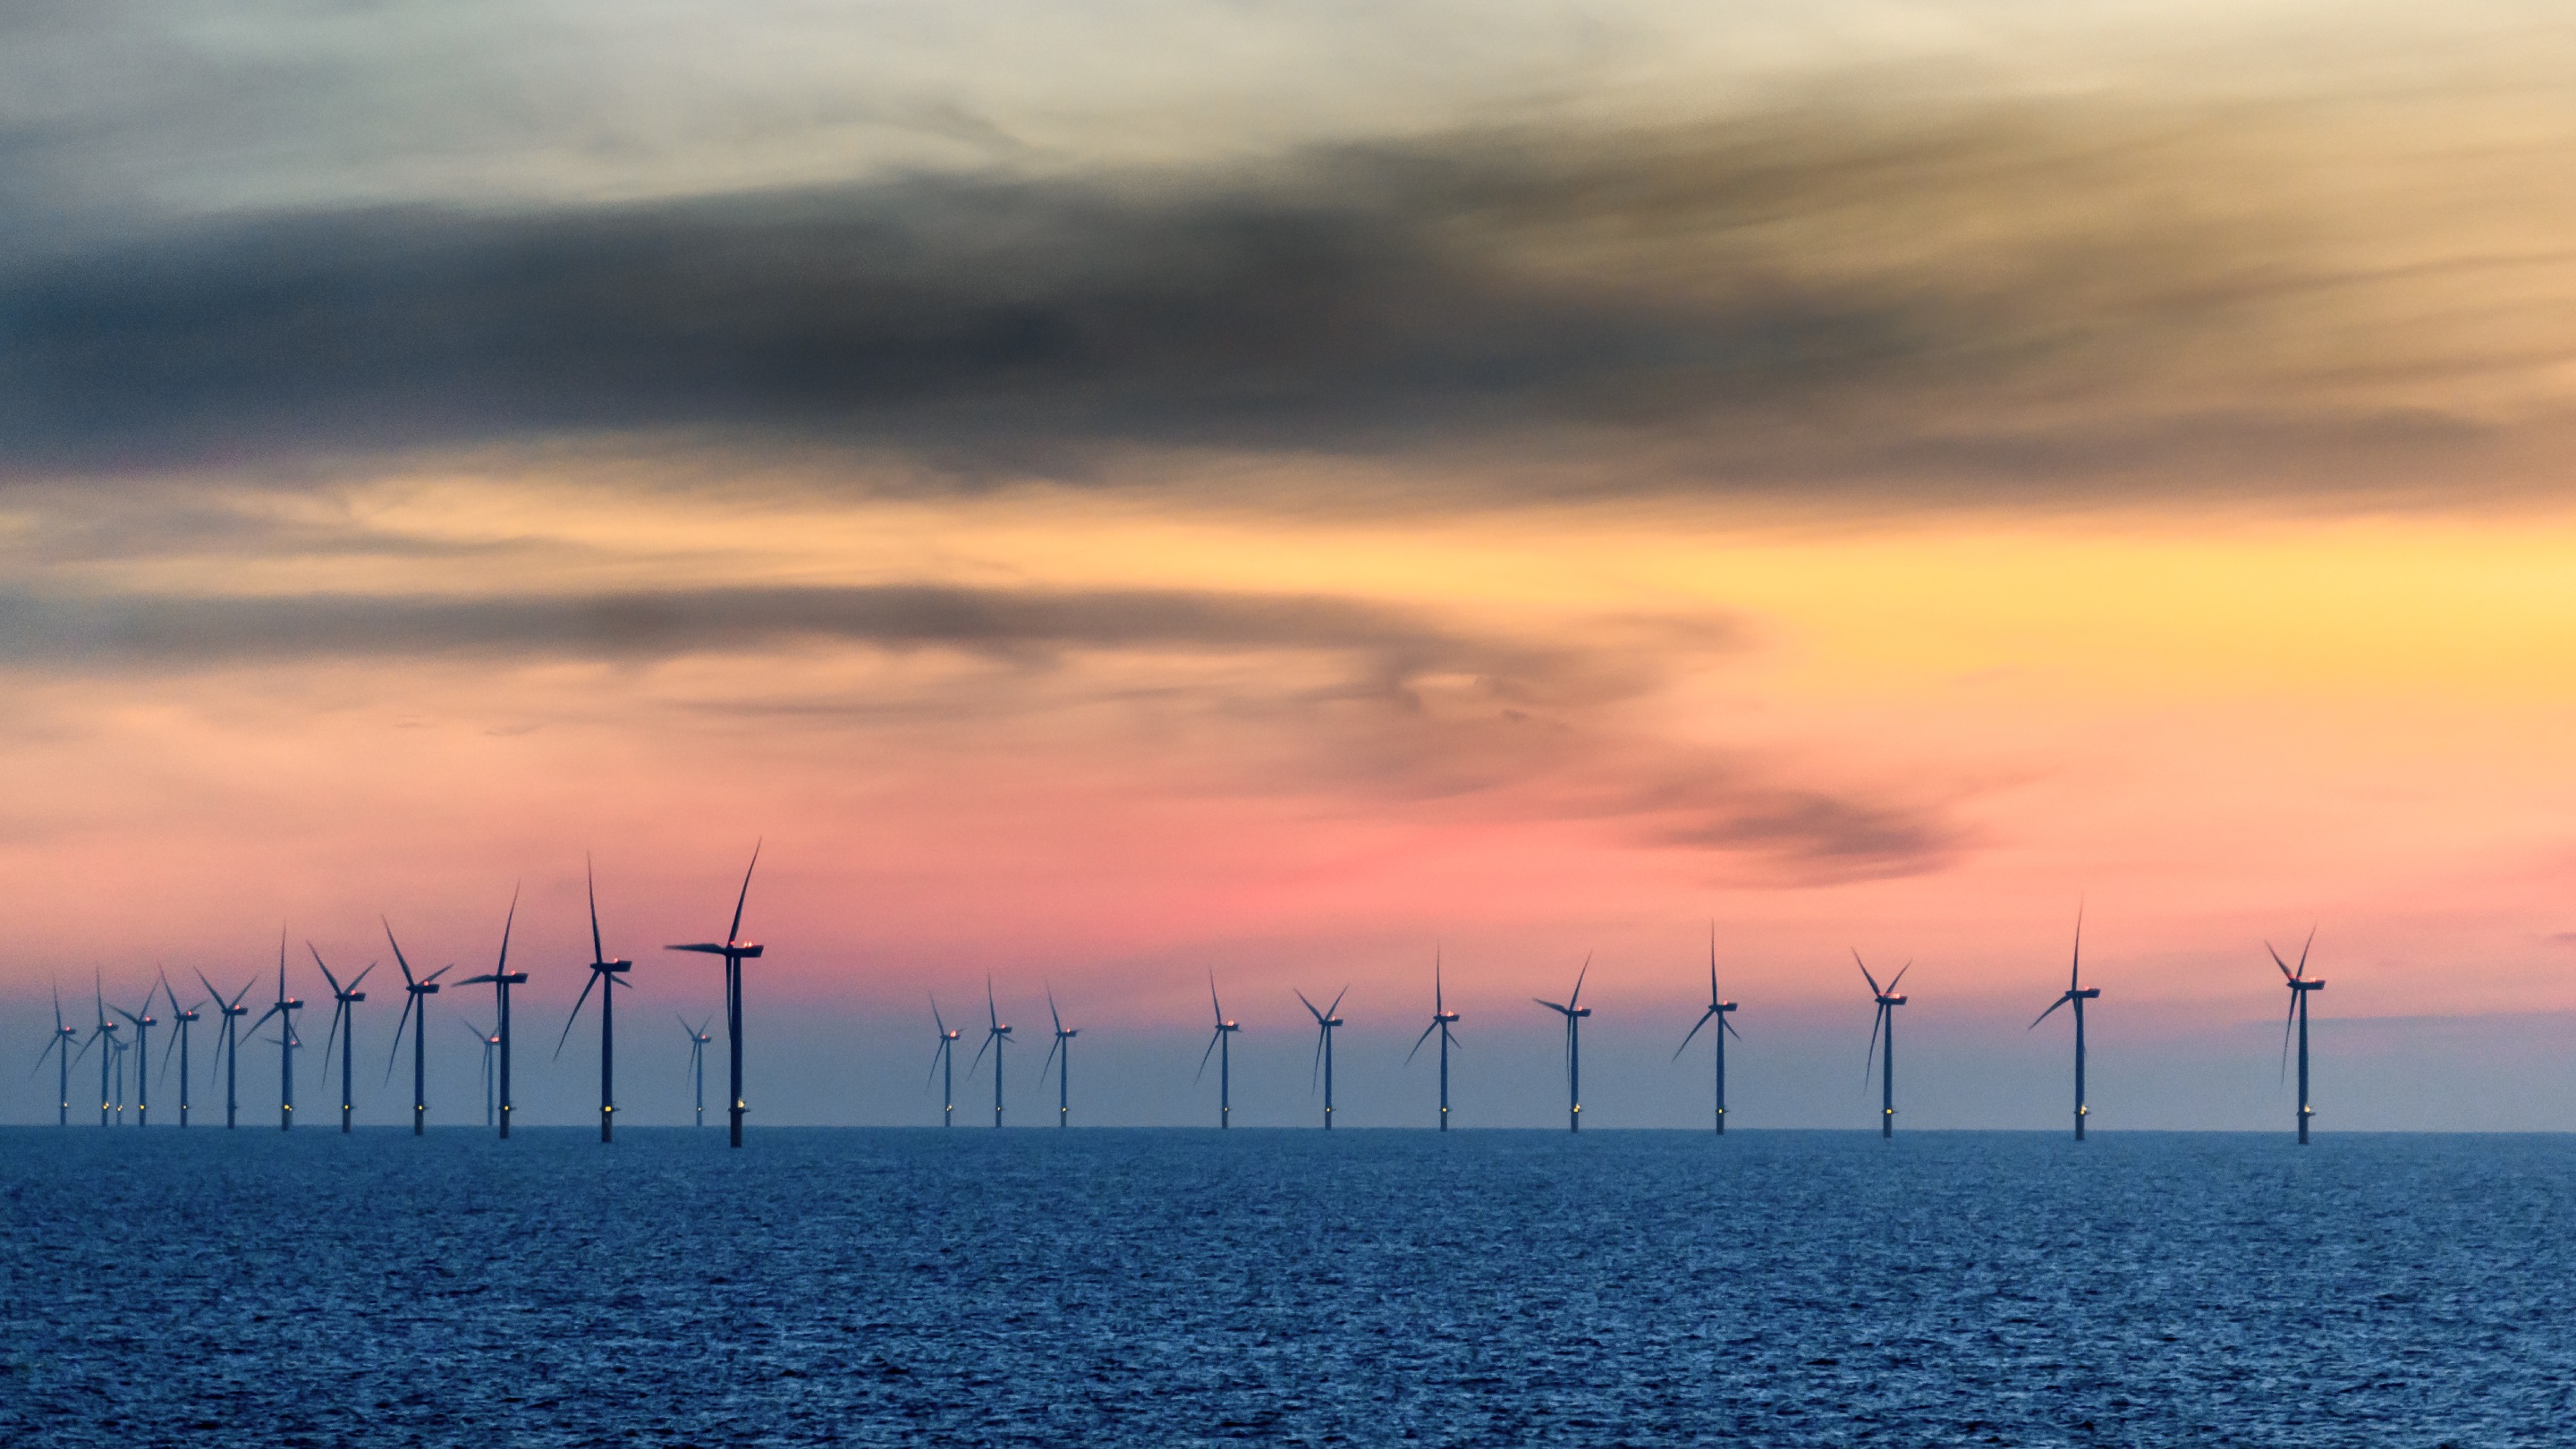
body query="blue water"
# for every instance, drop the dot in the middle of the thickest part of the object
(1160, 1288)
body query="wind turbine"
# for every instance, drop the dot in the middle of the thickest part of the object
(2301, 984)
(1325, 1021)
(181, 1021)
(1885, 1016)
(502, 979)
(735, 951)
(491, 1044)
(1441, 1018)
(602, 969)
(996, 1037)
(284, 1010)
(1573, 1014)
(228, 1042)
(943, 1064)
(109, 1057)
(2077, 993)
(1222, 1046)
(59, 1047)
(415, 1014)
(1062, 1056)
(1717, 1010)
(698, 1040)
(143, 1021)
(344, 1027)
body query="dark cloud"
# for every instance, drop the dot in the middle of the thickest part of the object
(1827, 293)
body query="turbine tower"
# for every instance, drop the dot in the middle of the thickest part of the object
(228, 1041)
(108, 1056)
(287, 1041)
(1573, 1013)
(344, 1027)
(502, 979)
(59, 1047)
(2301, 985)
(1062, 1056)
(1221, 1046)
(1885, 1016)
(416, 1016)
(943, 1065)
(1325, 1021)
(180, 1020)
(996, 1036)
(2076, 994)
(698, 1040)
(1718, 1011)
(735, 951)
(491, 1043)
(143, 1021)
(1441, 1019)
(605, 970)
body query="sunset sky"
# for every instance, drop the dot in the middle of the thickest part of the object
(1108, 494)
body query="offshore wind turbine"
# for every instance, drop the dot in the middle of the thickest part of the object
(1718, 1010)
(1573, 1012)
(2076, 994)
(491, 1043)
(996, 1036)
(1062, 1056)
(180, 1021)
(344, 1027)
(502, 979)
(415, 1014)
(59, 1047)
(1441, 1018)
(1325, 1021)
(143, 1021)
(735, 951)
(1885, 1016)
(287, 1041)
(1221, 1046)
(2301, 984)
(943, 1065)
(698, 1040)
(228, 1041)
(605, 970)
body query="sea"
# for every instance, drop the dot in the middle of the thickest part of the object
(1106, 1287)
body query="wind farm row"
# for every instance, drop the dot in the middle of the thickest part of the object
(67, 1045)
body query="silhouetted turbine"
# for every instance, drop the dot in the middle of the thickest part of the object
(228, 1041)
(1325, 1021)
(943, 1065)
(2301, 984)
(416, 1015)
(1884, 1016)
(735, 951)
(59, 1047)
(601, 969)
(491, 1043)
(143, 1021)
(344, 1028)
(1441, 1018)
(2076, 994)
(996, 1036)
(287, 1041)
(181, 1020)
(698, 1040)
(1062, 1056)
(502, 979)
(1221, 1046)
(1717, 1011)
(1573, 1013)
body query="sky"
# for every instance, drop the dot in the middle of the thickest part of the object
(1117, 496)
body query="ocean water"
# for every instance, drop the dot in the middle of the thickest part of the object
(1187, 1287)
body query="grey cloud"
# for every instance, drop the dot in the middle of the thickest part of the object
(1827, 296)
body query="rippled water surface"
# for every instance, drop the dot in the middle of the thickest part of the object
(1159, 1288)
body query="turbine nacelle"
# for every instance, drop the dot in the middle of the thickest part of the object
(1885, 1000)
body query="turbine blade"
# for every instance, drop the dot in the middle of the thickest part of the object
(934, 1016)
(1438, 1007)
(590, 884)
(1216, 1005)
(1436, 1024)
(2052, 1010)
(2286, 973)
(1049, 1059)
(398, 955)
(1899, 976)
(1694, 1031)
(1205, 1056)
(1730, 1028)
(1310, 1006)
(2075, 970)
(1577, 997)
(1317, 1074)
(595, 974)
(326, 971)
(410, 1000)
(1336, 1008)
(2303, 951)
(508, 921)
(1864, 973)
(1053, 1014)
(989, 1039)
(1869, 1063)
(362, 976)
(735, 934)
(2287, 1023)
